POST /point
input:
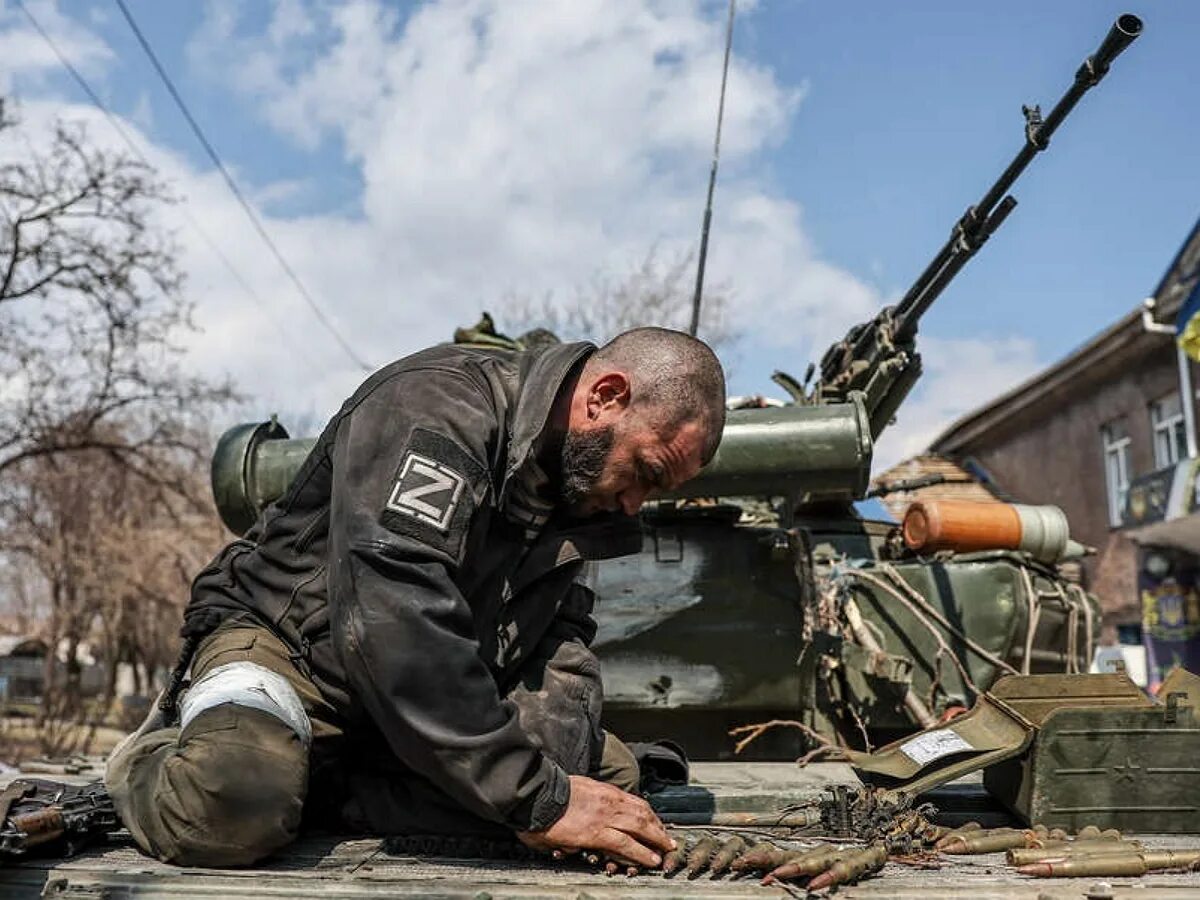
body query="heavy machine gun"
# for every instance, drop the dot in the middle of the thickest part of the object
(760, 595)
(879, 358)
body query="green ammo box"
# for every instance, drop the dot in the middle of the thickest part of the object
(1114, 759)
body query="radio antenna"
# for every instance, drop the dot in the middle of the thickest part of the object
(712, 178)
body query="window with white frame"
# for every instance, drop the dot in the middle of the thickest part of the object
(1115, 439)
(1166, 423)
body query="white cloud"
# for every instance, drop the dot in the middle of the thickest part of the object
(515, 146)
(960, 375)
(23, 52)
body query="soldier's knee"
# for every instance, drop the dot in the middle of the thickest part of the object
(239, 783)
(618, 766)
(230, 791)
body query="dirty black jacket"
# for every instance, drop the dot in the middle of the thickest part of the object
(410, 568)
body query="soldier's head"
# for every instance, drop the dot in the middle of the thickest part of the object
(646, 414)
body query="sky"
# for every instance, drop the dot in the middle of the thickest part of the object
(419, 162)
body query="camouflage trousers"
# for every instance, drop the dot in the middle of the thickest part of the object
(238, 782)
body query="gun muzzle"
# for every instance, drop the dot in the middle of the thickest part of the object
(1121, 35)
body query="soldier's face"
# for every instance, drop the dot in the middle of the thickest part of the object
(617, 463)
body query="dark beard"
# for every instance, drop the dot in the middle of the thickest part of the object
(583, 456)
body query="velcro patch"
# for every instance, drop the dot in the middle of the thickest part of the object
(432, 496)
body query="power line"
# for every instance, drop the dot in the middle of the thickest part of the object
(233, 188)
(137, 151)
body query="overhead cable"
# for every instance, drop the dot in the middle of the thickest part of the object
(233, 188)
(137, 151)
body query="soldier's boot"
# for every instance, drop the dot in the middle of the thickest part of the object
(48, 817)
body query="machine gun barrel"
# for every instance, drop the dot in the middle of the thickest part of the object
(980, 220)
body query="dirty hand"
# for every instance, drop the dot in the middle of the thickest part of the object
(605, 818)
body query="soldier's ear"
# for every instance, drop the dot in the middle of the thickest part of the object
(608, 394)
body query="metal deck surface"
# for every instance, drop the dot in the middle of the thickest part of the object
(357, 869)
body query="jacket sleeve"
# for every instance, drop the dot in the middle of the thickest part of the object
(409, 471)
(559, 695)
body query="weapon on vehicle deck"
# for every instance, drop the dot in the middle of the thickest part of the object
(879, 358)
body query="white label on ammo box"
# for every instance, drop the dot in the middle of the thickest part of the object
(925, 748)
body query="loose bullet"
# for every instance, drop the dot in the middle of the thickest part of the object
(1107, 865)
(960, 831)
(1023, 856)
(990, 841)
(761, 857)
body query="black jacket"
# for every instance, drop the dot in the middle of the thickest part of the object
(418, 569)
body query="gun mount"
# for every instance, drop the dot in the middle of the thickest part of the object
(879, 358)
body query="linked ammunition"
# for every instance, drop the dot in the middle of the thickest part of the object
(674, 859)
(851, 867)
(726, 854)
(811, 862)
(763, 856)
(989, 841)
(1058, 834)
(958, 832)
(1088, 831)
(699, 856)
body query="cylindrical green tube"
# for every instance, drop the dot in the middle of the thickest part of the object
(810, 452)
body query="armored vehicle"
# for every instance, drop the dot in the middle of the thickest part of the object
(760, 597)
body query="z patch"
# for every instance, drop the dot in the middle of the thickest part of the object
(427, 490)
(432, 496)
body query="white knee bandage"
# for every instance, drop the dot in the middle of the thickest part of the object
(247, 684)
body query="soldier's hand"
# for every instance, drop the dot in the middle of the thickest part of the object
(605, 818)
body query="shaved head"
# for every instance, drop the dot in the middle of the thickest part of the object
(675, 379)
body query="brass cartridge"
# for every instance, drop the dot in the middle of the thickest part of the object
(726, 854)
(961, 830)
(1171, 859)
(851, 867)
(812, 862)
(699, 855)
(1107, 865)
(1023, 856)
(989, 841)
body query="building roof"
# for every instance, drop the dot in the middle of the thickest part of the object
(21, 645)
(959, 484)
(1125, 341)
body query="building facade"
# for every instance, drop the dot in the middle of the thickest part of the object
(1080, 433)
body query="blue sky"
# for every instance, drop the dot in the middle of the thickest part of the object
(416, 166)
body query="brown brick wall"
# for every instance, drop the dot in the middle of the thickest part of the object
(1059, 459)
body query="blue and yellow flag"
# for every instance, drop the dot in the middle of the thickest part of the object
(1187, 324)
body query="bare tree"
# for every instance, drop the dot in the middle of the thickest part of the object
(101, 434)
(91, 305)
(656, 291)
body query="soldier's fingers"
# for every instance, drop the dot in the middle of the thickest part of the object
(646, 828)
(618, 843)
